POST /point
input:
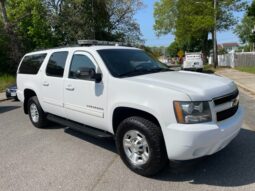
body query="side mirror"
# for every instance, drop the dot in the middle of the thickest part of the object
(89, 73)
(97, 77)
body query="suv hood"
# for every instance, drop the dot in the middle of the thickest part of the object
(198, 86)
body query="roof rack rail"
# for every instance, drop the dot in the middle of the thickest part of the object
(97, 42)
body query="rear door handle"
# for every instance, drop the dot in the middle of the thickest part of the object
(70, 89)
(46, 84)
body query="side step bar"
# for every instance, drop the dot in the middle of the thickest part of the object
(79, 127)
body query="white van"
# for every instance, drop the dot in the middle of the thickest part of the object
(193, 61)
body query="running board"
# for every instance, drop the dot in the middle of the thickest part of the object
(79, 127)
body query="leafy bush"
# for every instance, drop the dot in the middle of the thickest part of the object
(5, 81)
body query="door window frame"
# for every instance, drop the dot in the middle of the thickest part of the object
(93, 60)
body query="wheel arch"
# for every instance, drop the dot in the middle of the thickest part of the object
(28, 93)
(121, 112)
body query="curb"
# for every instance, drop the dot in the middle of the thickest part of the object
(245, 88)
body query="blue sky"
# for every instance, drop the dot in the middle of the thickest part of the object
(145, 18)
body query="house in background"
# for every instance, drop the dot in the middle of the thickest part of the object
(229, 47)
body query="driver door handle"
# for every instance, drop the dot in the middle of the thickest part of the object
(46, 84)
(70, 88)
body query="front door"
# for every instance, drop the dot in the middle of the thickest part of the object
(84, 99)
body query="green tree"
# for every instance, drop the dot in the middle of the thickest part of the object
(10, 42)
(4, 40)
(94, 19)
(251, 10)
(27, 25)
(31, 24)
(192, 21)
(173, 49)
(244, 29)
(123, 26)
(81, 19)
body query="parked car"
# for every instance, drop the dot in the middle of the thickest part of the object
(154, 113)
(11, 92)
(193, 61)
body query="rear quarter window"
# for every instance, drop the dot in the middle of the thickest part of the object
(31, 64)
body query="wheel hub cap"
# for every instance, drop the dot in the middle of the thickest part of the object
(136, 147)
(34, 113)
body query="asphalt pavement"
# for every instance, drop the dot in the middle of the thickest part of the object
(58, 158)
(2, 96)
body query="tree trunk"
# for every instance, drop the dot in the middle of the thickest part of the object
(14, 45)
(4, 14)
(215, 49)
(205, 47)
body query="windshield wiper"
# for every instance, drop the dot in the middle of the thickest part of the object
(160, 70)
(144, 71)
(133, 72)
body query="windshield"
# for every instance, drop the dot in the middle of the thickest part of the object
(128, 62)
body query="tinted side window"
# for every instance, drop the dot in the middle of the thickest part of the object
(80, 61)
(56, 64)
(31, 64)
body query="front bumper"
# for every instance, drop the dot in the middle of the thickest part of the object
(184, 142)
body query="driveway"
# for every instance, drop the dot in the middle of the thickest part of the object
(242, 79)
(58, 158)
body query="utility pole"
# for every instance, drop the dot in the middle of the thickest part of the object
(214, 36)
(253, 44)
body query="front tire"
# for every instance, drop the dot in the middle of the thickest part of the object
(141, 146)
(36, 113)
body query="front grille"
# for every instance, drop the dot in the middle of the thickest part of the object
(226, 98)
(225, 114)
(222, 115)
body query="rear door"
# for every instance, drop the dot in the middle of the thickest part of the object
(53, 83)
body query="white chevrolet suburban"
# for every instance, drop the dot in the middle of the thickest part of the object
(153, 113)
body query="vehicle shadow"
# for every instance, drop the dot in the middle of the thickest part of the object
(208, 71)
(233, 166)
(4, 109)
(53, 126)
(106, 143)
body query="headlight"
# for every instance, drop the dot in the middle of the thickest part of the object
(188, 112)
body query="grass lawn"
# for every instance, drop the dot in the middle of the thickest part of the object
(5, 81)
(209, 69)
(249, 69)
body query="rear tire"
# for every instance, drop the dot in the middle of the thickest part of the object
(146, 159)
(36, 113)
